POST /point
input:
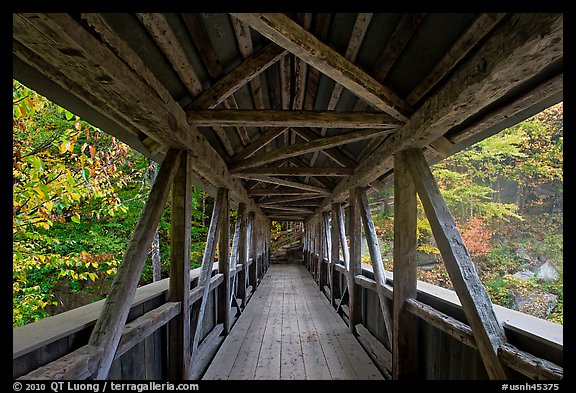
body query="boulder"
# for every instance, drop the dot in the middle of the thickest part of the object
(539, 305)
(524, 275)
(546, 272)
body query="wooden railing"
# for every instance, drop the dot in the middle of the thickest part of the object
(447, 346)
(173, 333)
(142, 352)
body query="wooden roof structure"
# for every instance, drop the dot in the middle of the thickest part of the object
(291, 116)
(294, 109)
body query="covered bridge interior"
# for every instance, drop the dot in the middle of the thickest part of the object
(293, 118)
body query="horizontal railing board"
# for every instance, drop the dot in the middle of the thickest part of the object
(526, 328)
(29, 337)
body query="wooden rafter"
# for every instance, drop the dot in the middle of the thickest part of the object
(259, 143)
(294, 171)
(286, 33)
(280, 191)
(470, 38)
(358, 32)
(282, 182)
(320, 30)
(157, 115)
(246, 49)
(307, 147)
(469, 91)
(166, 39)
(238, 77)
(210, 58)
(288, 118)
(332, 153)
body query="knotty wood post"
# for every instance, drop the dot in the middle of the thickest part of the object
(206, 270)
(335, 292)
(179, 287)
(223, 315)
(355, 268)
(376, 257)
(110, 324)
(405, 333)
(476, 303)
(252, 241)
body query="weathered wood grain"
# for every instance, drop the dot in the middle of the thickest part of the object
(108, 329)
(405, 343)
(376, 257)
(476, 303)
(179, 289)
(321, 143)
(285, 32)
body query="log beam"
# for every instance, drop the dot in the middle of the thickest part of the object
(476, 303)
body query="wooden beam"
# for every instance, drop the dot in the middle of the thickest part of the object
(110, 324)
(198, 33)
(463, 45)
(206, 270)
(530, 365)
(127, 80)
(320, 30)
(257, 144)
(332, 153)
(376, 257)
(403, 33)
(335, 253)
(77, 365)
(290, 118)
(526, 42)
(282, 182)
(162, 33)
(140, 328)
(294, 171)
(224, 298)
(306, 147)
(356, 39)
(456, 329)
(280, 200)
(405, 333)
(355, 265)
(246, 49)
(281, 191)
(476, 303)
(238, 77)
(286, 33)
(179, 287)
(264, 206)
(242, 254)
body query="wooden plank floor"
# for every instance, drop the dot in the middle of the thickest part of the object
(289, 331)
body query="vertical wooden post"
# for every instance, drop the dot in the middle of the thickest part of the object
(476, 303)
(179, 288)
(335, 254)
(206, 269)
(224, 264)
(354, 291)
(253, 241)
(405, 332)
(242, 259)
(322, 266)
(376, 257)
(110, 324)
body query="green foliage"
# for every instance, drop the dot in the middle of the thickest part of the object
(492, 225)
